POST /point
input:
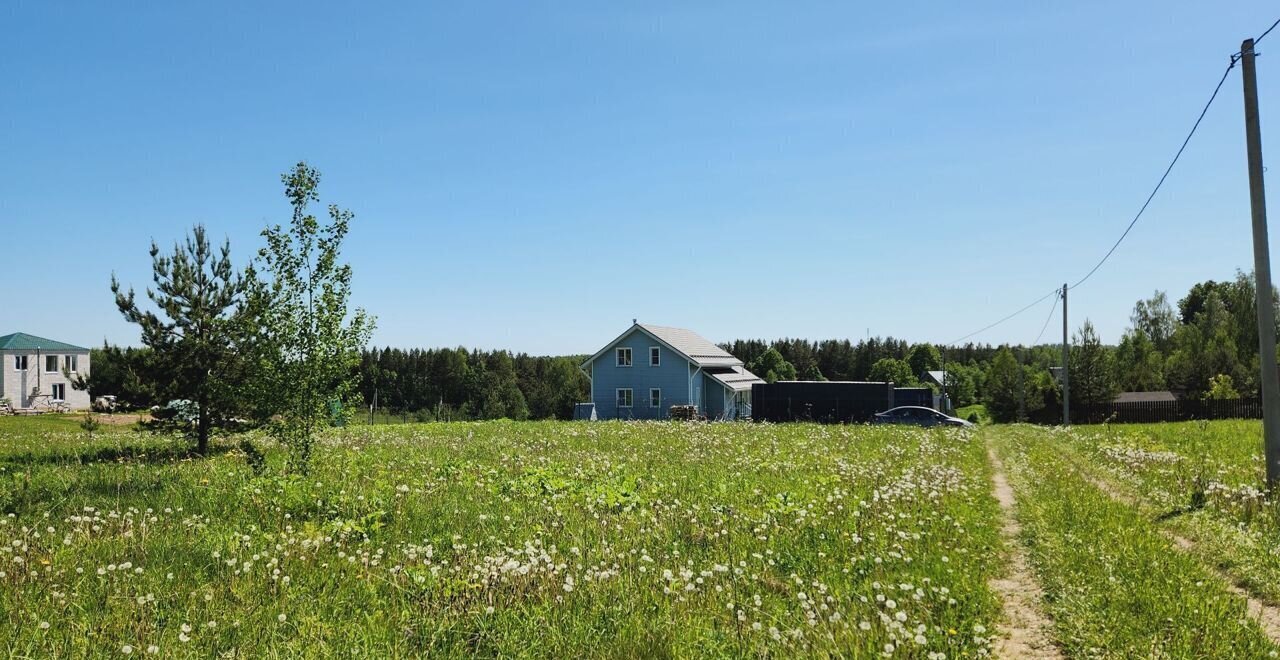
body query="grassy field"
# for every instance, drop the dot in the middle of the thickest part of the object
(1114, 584)
(544, 539)
(529, 539)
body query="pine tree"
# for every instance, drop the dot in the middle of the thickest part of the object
(1092, 371)
(198, 295)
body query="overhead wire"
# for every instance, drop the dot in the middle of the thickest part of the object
(1234, 59)
(1047, 319)
(1268, 31)
(1035, 302)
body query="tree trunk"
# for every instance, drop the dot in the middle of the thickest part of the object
(202, 432)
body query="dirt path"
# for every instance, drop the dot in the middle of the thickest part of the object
(1025, 631)
(1267, 616)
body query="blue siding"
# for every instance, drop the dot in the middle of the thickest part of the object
(672, 377)
(714, 407)
(695, 375)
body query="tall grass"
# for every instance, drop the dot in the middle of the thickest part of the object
(1115, 586)
(528, 539)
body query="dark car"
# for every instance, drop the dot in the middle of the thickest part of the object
(917, 416)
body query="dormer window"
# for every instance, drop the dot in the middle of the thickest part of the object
(623, 357)
(655, 356)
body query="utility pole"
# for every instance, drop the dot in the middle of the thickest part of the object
(944, 380)
(1262, 270)
(1022, 385)
(1066, 358)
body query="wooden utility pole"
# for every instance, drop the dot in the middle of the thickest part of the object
(1262, 270)
(1066, 358)
(1022, 385)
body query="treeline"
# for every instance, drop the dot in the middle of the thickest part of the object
(457, 384)
(1206, 347)
(416, 384)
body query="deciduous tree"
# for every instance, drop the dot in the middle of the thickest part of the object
(894, 371)
(306, 339)
(772, 367)
(1155, 318)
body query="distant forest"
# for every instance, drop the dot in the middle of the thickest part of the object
(1206, 347)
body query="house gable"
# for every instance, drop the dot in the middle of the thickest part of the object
(669, 377)
(680, 377)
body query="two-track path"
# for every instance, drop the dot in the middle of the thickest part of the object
(1267, 616)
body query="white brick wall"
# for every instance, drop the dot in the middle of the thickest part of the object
(16, 385)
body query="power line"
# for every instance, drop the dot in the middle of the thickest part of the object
(1273, 26)
(1234, 58)
(1037, 301)
(1046, 321)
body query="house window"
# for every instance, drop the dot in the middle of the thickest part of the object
(655, 356)
(59, 392)
(623, 356)
(69, 363)
(20, 362)
(624, 397)
(655, 397)
(51, 363)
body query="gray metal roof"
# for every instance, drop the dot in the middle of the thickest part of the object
(736, 379)
(692, 345)
(1144, 397)
(687, 343)
(936, 376)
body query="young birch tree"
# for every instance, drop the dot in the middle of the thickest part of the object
(306, 339)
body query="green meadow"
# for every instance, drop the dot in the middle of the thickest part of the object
(557, 539)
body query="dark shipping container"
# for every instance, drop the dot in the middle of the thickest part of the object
(820, 401)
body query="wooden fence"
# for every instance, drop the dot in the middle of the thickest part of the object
(1168, 411)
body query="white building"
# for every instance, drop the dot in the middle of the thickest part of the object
(37, 372)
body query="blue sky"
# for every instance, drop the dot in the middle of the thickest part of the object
(533, 176)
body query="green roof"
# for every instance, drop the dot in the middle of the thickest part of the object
(21, 341)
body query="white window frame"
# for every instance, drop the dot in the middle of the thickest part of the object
(658, 363)
(652, 391)
(53, 389)
(617, 356)
(55, 364)
(70, 363)
(20, 362)
(631, 398)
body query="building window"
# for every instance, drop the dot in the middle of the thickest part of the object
(69, 363)
(623, 356)
(655, 397)
(59, 392)
(655, 356)
(624, 397)
(20, 362)
(51, 363)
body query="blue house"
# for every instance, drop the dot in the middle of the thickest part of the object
(650, 368)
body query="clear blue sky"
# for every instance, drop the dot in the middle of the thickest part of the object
(534, 175)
